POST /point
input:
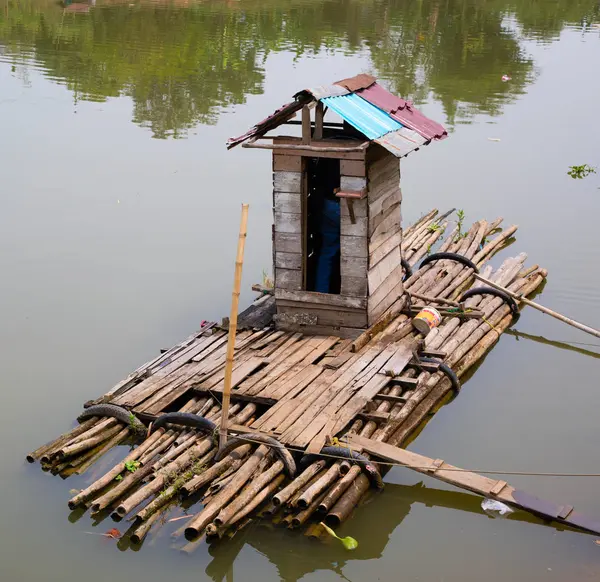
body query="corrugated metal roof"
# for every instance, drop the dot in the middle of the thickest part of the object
(403, 111)
(402, 142)
(364, 116)
(391, 121)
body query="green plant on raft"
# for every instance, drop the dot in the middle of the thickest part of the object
(267, 281)
(132, 466)
(460, 214)
(348, 542)
(119, 478)
(434, 227)
(579, 172)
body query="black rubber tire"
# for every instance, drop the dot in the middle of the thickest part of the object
(514, 308)
(407, 269)
(365, 464)
(184, 419)
(111, 410)
(447, 371)
(251, 438)
(449, 256)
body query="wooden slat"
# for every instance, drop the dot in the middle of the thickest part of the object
(358, 228)
(313, 297)
(379, 272)
(385, 294)
(359, 207)
(353, 246)
(353, 267)
(289, 202)
(288, 279)
(354, 286)
(328, 316)
(352, 183)
(289, 222)
(353, 168)
(287, 242)
(287, 163)
(288, 260)
(313, 153)
(287, 182)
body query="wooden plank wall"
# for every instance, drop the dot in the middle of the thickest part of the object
(384, 275)
(287, 232)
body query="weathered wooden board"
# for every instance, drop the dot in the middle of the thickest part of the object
(385, 294)
(359, 207)
(382, 270)
(288, 279)
(354, 246)
(485, 486)
(384, 202)
(287, 242)
(321, 298)
(285, 163)
(341, 332)
(350, 155)
(352, 183)
(384, 222)
(353, 168)
(390, 243)
(328, 316)
(288, 260)
(353, 267)
(290, 222)
(358, 228)
(288, 202)
(287, 182)
(354, 286)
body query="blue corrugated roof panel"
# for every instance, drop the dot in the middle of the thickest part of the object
(364, 116)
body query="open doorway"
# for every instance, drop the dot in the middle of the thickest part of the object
(323, 225)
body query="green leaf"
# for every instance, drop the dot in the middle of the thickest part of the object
(119, 478)
(348, 542)
(132, 466)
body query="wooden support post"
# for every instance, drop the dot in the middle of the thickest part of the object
(541, 308)
(318, 133)
(306, 129)
(235, 299)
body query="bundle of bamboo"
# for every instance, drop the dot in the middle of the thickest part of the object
(299, 390)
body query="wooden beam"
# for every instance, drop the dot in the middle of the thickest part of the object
(485, 486)
(318, 133)
(306, 133)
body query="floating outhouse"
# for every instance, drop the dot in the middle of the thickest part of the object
(337, 203)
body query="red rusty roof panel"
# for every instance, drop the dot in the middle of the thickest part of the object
(358, 82)
(403, 111)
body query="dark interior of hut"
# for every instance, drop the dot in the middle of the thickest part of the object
(323, 226)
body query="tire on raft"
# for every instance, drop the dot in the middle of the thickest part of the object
(451, 257)
(183, 419)
(117, 412)
(447, 371)
(366, 465)
(407, 268)
(282, 452)
(510, 301)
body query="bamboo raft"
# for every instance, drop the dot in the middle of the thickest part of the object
(373, 394)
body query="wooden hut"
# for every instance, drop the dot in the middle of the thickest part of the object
(337, 203)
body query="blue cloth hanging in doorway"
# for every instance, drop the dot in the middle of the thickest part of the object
(329, 228)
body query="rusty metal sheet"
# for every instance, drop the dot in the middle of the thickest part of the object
(361, 81)
(402, 141)
(404, 112)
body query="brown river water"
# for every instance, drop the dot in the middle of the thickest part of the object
(119, 209)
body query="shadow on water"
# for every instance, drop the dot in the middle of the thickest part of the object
(388, 511)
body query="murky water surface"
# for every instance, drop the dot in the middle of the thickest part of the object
(118, 220)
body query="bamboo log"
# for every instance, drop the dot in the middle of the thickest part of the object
(247, 494)
(338, 489)
(102, 450)
(215, 471)
(298, 482)
(59, 441)
(306, 499)
(109, 477)
(138, 535)
(348, 501)
(72, 450)
(301, 517)
(202, 519)
(93, 431)
(235, 298)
